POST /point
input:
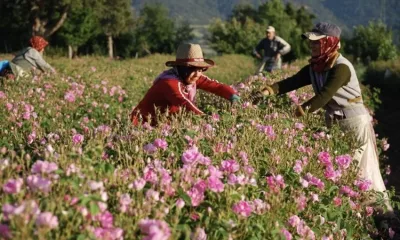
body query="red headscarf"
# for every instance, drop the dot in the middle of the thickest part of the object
(329, 47)
(38, 43)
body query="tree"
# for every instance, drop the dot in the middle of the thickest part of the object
(156, 32)
(242, 12)
(47, 16)
(23, 18)
(373, 42)
(81, 25)
(116, 17)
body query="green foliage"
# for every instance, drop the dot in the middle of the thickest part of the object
(157, 33)
(372, 42)
(246, 27)
(235, 37)
(112, 154)
(384, 74)
(115, 16)
(81, 25)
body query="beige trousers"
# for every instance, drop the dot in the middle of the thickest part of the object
(366, 155)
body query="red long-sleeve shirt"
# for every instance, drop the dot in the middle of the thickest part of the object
(170, 95)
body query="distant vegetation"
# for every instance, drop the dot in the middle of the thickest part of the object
(117, 29)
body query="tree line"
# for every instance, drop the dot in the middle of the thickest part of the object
(111, 27)
(91, 26)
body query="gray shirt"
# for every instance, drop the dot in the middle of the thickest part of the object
(272, 47)
(29, 58)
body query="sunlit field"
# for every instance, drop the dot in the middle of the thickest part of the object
(73, 167)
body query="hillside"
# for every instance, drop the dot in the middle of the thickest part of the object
(346, 13)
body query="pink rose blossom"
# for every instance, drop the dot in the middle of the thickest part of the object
(47, 220)
(77, 139)
(38, 183)
(70, 96)
(108, 233)
(260, 207)
(31, 137)
(93, 185)
(369, 211)
(242, 208)
(363, 185)
(230, 166)
(276, 183)
(299, 126)
(215, 184)
(286, 234)
(5, 232)
(190, 156)
(139, 183)
(196, 195)
(124, 201)
(243, 156)
(301, 202)
(294, 221)
(40, 167)
(325, 158)
(160, 143)
(150, 175)
(152, 195)
(150, 148)
(215, 172)
(391, 233)
(385, 144)
(298, 167)
(180, 203)
(198, 234)
(343, 161)
(106, 219)
(13, 186)
(337, 201)
(332, 174)
(154, 229)
(314, 181)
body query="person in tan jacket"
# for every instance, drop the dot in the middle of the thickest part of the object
(273, 48)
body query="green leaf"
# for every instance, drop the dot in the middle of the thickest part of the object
(82, 237)
(84, 200)
(184, 196)
(94, 208)
(333, 188)
(109, 168)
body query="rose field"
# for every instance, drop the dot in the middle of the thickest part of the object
(72, 166)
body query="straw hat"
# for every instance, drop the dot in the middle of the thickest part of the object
(189, 54)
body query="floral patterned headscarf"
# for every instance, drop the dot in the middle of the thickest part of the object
(329, 48)
(38, 43)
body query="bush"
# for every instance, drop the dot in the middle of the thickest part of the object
(384, 74)
(69, 155)
(372, 42)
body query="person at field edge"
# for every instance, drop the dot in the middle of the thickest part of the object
(27, 60)
(337, 90)
(175, 89)
(274, 47)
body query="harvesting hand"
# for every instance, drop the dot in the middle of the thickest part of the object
(235, 98)
(299, 112)
(257, 97)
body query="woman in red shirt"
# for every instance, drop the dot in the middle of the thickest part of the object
(175, 88)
